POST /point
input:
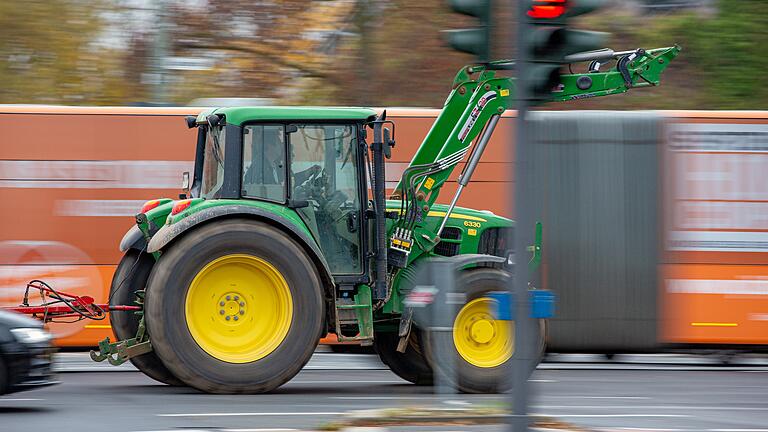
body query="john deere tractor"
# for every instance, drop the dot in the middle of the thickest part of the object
(278, 241)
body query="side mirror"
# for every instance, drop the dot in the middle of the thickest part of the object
(388, 144)
(191, 121)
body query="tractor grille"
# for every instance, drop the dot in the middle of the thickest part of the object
(451, 233)
(448, 249)
(493, 241)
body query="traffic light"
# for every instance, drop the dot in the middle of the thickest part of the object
(475, 40)
(550, 40)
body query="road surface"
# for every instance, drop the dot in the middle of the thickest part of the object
(655, 394)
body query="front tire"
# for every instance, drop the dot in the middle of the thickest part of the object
(235, 306)
(411, 365)
(481, 346)
(130, 276)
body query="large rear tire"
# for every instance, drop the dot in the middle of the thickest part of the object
(130, 276)
(235, 306)
(481, 346)
(411, 365)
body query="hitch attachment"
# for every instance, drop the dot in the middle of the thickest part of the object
(117, 353)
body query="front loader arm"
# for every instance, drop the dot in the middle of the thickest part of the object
(642, 70)
(472, 103)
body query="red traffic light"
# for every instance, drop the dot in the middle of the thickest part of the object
(547, 9)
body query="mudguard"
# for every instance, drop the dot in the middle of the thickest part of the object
(461, 261)
(169, 232)
(133, 239)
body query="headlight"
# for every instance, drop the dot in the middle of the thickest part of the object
(28, 335)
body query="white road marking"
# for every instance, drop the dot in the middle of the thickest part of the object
(226, 430)
(647, 367)
(349, 382)
(655, 407)
(543, 381)
(251, 414)
(645, 429)
(20, 400)
(379, 397)
(612, 415)
(598, 397)
(421, 397)
(256, 430)
(642, 429)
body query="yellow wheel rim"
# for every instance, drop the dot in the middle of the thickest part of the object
(238, 308)
(480, 339)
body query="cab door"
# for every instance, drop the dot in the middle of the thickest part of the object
(325, 174)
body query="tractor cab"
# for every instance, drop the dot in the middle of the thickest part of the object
(310, 160)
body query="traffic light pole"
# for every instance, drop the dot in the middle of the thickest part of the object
(523, 342)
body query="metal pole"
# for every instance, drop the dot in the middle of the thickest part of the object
(519, 421)
(443, 276)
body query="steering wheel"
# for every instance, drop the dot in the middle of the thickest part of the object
(313, 186)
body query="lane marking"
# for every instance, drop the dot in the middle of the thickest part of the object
(614, 415)
(349, 382)
(659, 407)
(383, 397)
(645, 429)
(226, 430)
(255, 430)
(20, 400)
(425, 396)
(599, 397)
(647, 367)
(252, 414)
(641, 429)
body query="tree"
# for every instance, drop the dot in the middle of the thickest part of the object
(49, 53)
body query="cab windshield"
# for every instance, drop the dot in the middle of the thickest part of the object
(213, 163)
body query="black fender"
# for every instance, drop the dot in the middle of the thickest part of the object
(133, 239)
(168, 233)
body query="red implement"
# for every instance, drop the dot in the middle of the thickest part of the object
(56, 304)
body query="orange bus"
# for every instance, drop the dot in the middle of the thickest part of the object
(78, 174)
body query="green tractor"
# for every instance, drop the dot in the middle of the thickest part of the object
(278, 241)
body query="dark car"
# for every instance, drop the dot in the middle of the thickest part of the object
(26, 353)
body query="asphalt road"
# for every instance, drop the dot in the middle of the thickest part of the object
(626, 396)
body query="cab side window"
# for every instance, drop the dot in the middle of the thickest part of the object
(264, 166)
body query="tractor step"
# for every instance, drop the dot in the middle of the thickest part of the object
(354, 317)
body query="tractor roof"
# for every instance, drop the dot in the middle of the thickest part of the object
(240, 115)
